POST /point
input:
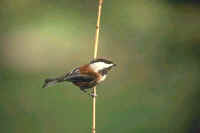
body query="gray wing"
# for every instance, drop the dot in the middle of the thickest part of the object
(79, 78)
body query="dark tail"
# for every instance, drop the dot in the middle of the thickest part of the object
(52, 81)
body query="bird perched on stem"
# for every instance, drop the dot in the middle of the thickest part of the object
(86, 76)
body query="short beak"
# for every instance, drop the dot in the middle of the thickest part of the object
(114, 65)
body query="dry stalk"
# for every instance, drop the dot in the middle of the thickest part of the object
(96, 42)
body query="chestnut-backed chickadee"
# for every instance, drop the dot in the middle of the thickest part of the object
(86, 76)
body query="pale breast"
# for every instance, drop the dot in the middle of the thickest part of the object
(102, 78)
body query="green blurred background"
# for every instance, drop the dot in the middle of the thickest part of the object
(154, 89)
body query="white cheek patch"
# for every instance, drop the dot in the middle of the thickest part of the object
(100, 65)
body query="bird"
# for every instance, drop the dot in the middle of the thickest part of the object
(86, 76)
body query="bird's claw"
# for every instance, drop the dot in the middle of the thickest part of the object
(93, 95)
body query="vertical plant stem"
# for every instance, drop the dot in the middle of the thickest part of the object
(96, 42)
(94, 110)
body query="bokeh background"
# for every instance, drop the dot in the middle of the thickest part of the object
(154, 89)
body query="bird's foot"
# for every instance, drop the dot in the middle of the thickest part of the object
(93, 95)
(89, 93)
